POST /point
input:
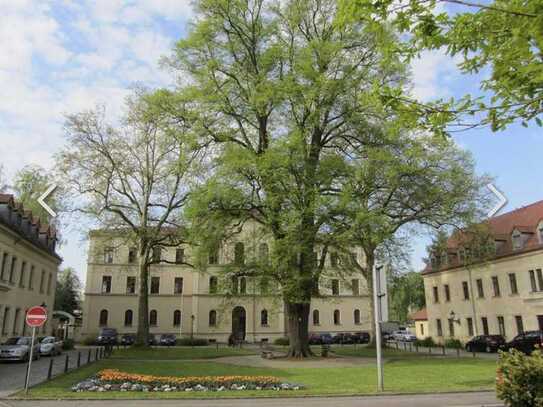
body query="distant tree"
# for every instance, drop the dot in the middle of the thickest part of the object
(132, 180)
(68, 291)
(3, 183)
(29, 184)
(406, 294)
(437, 249)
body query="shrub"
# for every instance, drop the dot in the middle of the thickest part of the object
(89, 340)
(191, 342)
(453, 344)
(68, 344)
(519, 380)
(426, 342)
(281, 342)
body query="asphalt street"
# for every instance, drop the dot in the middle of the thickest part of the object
(12, 374)
(478, 399)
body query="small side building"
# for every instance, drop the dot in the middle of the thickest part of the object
(420, 318)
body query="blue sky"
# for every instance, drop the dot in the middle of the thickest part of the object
(65, 56)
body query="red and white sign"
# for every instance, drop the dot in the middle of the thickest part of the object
(36, 316)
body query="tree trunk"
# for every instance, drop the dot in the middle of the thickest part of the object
(298, 329)
(142, 335)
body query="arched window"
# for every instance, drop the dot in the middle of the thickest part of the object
(357, 316)
(316, 317)
(128, 316)
(213, 283)
(103, 317)
(176, 318)
(263, 252)
(239, 253)
(212, 318)
(243, 285)
(337, 319)
(264, 317)
(153, 318)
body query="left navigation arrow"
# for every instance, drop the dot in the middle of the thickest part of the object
(45, 195)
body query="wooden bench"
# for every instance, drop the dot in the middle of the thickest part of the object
(266, 354)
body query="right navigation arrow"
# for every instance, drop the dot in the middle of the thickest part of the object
(501, 203)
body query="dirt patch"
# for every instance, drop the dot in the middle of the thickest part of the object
(282, 362)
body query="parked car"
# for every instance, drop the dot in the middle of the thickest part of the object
(167, 340)
(485, 343)
(361, 337)
(128, 339)
(107, 336)
(50, 346)
(320, 339)
(525, 342)
(403, 336)
(18, 348)
(343, 337)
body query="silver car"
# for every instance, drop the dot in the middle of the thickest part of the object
(50, 346)
(18, 348)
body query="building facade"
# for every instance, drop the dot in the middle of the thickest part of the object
(503, 295)
(420, 319)
(28, 267)
(207, 303)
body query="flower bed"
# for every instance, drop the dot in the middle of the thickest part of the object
(115, 380)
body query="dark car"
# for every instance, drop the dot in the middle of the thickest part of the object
(343, 338)
(361, 337)
(107, 336)
(128, 339)
(526, 342)
(320, 339)
(485, 343)
(167, 340)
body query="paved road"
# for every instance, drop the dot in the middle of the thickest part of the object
(12, 374)
(486, 399)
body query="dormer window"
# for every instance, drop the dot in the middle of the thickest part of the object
(540, 232)
(517, 240)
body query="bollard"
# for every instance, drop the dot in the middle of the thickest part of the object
(457, 352)
(443, 350)
(429, 350)
(78, 359)
(50, 370)
(96, 354)
(217, 346)
(397, 345)
(417, 348)
(89, 356)
(66, 362)
(405, 346)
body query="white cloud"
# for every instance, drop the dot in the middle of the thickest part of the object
(431, 74)
(64, 56)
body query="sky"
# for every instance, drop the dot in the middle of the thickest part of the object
(62, 56)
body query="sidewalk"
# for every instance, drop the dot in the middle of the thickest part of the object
(475, 399)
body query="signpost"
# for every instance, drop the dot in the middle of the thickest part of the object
(35, 318)
(380, 302)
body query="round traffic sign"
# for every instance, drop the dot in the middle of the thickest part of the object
(36, 316)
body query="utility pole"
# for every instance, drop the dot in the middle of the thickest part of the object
(378, 312)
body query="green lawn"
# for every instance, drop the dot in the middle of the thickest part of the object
(198, 352)
(402, 374)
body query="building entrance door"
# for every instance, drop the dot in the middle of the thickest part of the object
(238, 323)
(540, 322)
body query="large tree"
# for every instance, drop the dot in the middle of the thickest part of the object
(501, 37)
(406, 295)
(131, 180)
(290, 101)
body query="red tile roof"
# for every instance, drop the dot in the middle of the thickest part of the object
(420, 315)
(525, 220)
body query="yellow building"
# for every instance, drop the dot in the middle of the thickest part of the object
(501, 296)
(185, 301)
(420, 318)
(28, 267)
